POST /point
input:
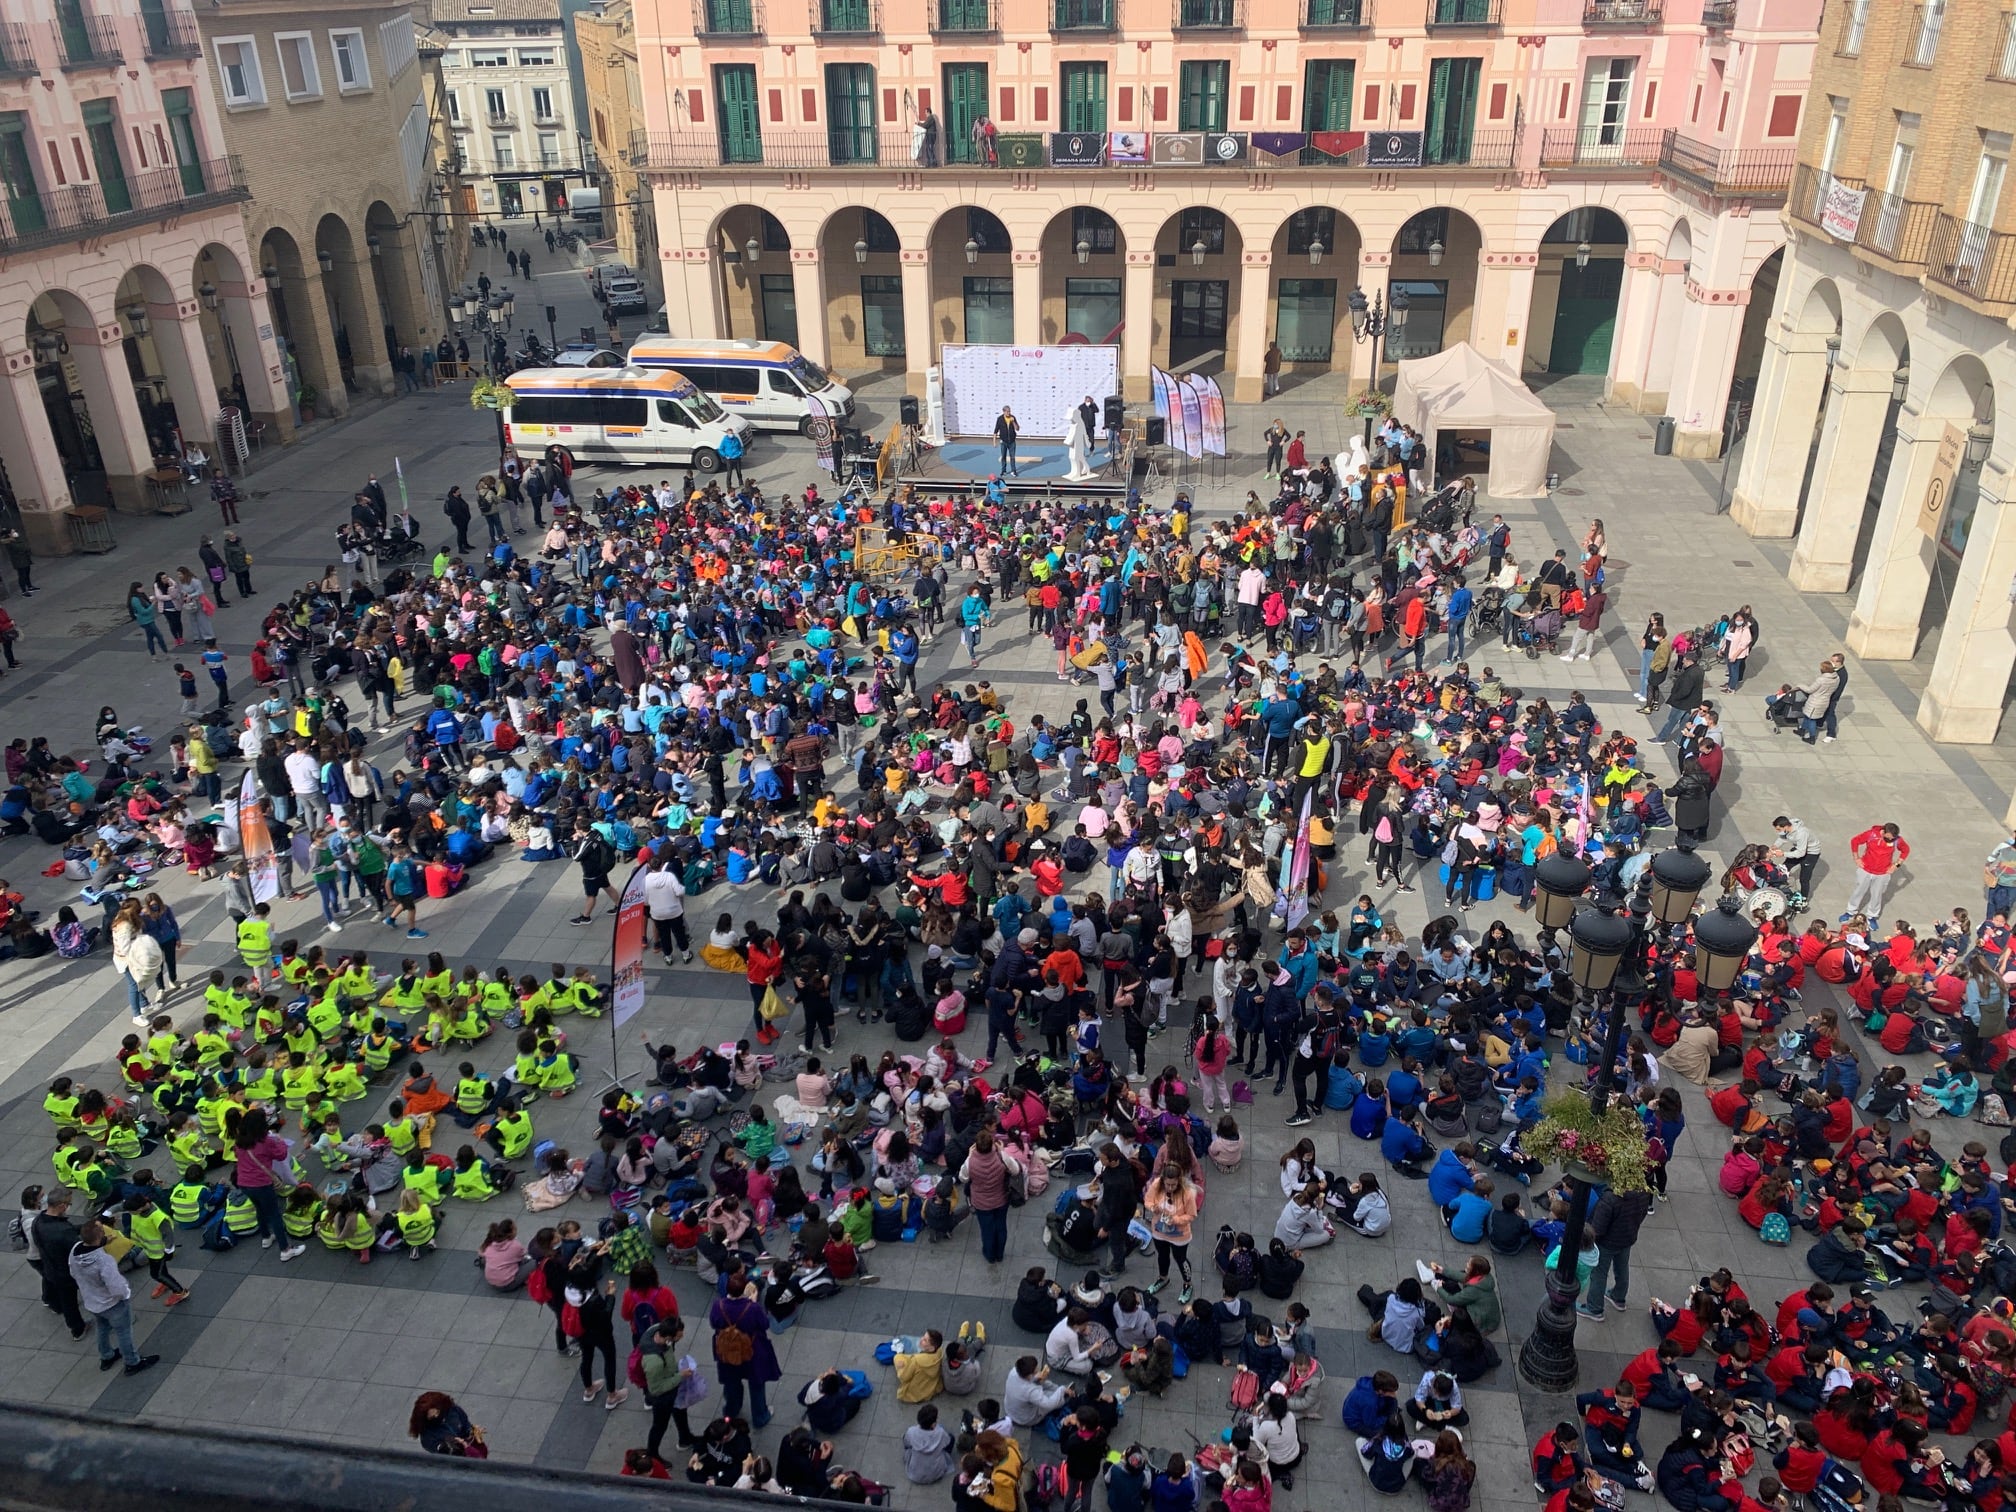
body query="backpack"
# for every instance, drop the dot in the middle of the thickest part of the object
(1776, 1229)
(1046, 1485)
(732, 1346)
(599, 856)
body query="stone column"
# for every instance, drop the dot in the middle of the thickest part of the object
(1026, 274)
(1637, 315)
(100, 357)
(808, 290)
(1703, 366)
(314, 338)
(33, 464)
(920, 341)
(1789, 392)
(1505, 306)
(693, 294)
(1963, 700)
(1137, 334)
(1375, 270)
(370, 364)
(248, 310)
(1256, 288)
(185, 362)
(396, 267)
(1824, 559)
(1885, 623)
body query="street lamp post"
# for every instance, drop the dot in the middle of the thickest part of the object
(1370, 320)
(1605, 938)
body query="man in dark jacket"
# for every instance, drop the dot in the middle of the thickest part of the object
(1683, 698)
(51, 1238)
(1119, 1196)
(1614, 1226)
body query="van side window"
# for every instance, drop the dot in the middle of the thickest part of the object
(670, 413)
(619, 410)
(785, 384)
(708, 380)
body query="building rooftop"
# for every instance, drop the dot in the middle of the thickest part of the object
(454, 13)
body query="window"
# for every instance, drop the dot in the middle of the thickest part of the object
(1095, 229)
(502, 152)
(1989, 174)
(549, 149)
(1200, 95)
(238, 71)
(878, 233)
(1423, 231)
(986, 232)
(1326, 95)
(17, 175)
(1427, 307)
(542, 104)
(1083, 87)
(177, 105)
(1837, 129)
(1316, 224)
(1606, 101)
(101, 129)
(965, 103)
(882, 315)
(1858, 21)
(535, 60)
(1452, 110)
(396, 44)
(1925, 46)
(1305, 318)
(735, 111)
(780, 311)
(493, 103)
(990, 311)
(489, 57)
(353, 69)
(1903, 152)
(674, 414)
(454, 105)
(298, 74)
(850, 112)
(1201, 224)
(1092, 309)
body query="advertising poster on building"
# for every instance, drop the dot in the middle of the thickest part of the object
(1077, 149)
(1128, 147)
(627, 960)
(255, 839)
(1192, 401)
(1212, 399)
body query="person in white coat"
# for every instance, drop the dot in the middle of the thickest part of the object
(1302, 1225)
(103, 1293)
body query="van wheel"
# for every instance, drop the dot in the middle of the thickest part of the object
(707, 460)
(805, 425)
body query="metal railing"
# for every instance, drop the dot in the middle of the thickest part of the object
(846, 18)
(1623, 12)
(1719, 15)
(1897, 228)
(1926, 24)
(1464, 15)
(17, 51)
(727, 19)
(1336, 15)
(504, 120)
(1972, 260)
(89, 42)
(1754, 172)
(1485, 149)
(1602, 146)
(170, 34)
(1807, 199)
(79, 210)
(1209, 15)
(2005, 58)
(1084, 15)
(964, 18)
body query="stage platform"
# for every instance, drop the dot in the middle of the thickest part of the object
(964, 466)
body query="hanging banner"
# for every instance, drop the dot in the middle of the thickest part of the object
(1336, 143)
(1212, 400)
(1182, 148)
(627, 957)
(1169, 405)
(1224, 149)
(1192, 401)
(1841, 211)
(1127, 147)
(1939, 487)
(1020, 151)
(255, 840)
(820, 426)
(1280, 143)
(1077, 149)
(1393, 149)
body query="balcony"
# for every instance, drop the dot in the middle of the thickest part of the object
(1808, 198)
(76, 211)
(1209, 15)
(1748, 173)
(1602, 147)
(1336, 15)
(17, 53)
(1973, 261)
(1718, 15)
(501, 120)
(1083, 15)
(547, 118)
(1464, 15)
(2005, 56)
(728, 20)
(1926, 24)
(843, 20)
(89, 42)
(1623, 12)
(1485, 149)
(170, 34)
(964, 18)
(1895, 228)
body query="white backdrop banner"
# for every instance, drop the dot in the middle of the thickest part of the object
(1042, 384)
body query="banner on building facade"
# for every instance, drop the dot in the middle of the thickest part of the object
(1077, 149)
(1224, 149)
(1179, 148)
(1280, 143)
(1337, 144)
(1019, 151)
(1393, 149)
(1841, 211)
(1127, 147)
(1939, 487)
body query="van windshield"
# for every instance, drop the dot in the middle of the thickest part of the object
(701, 405)
(811, 377)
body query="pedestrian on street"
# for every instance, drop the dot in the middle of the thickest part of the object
(1614, 1226)
(225, 494)
(1006, 429)
(457, 509)
(1683, 699)
(1801, 853)
(1877, 850)
(51, 1238)
(22, 560)
(9, 634)
(1276, 437)
(213, 568)
(1587, 625)
(239, 561)
(731, 460)
(102, 1292)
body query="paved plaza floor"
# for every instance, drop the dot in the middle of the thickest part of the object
(328, 1350)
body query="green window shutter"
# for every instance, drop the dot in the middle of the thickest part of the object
(1084, 91)
(17, 175)
(850, 112)
(1326, 94)
(965, 103)
(735, 111)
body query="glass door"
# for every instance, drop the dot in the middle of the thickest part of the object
(850, 113)
(780, 308)
(70, 29)
(1606, 105)
(735, 109)
(1197, 319)
(990, 311)
(965, 103)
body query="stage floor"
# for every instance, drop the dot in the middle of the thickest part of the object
(1033, 459)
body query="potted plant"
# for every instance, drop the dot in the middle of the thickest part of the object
(486, 393)
(1370, 402)
(1604, 1149)
(307, 401)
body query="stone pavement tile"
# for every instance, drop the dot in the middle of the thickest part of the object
(1494, 1414)
(482, 1319)
(571, 1433)
(228, 1342)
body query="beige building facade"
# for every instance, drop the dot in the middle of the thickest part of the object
(1885, 438)
(1570, 185)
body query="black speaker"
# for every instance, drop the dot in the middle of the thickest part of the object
(906, 410)
(1116, 412)
(1158, 431)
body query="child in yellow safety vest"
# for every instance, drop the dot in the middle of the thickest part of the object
(300, 1212)
(478, 1181)
(60, 1103)
(379, 1047)
(255, 944)
(415, 1223)
(344, 1081)
(259, 1080)
(148, 1227)
(586, 993)
(344, 1225)
(430, 1181)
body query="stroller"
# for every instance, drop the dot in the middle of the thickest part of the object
(1490, 612)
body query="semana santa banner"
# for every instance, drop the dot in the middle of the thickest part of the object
(627, 957)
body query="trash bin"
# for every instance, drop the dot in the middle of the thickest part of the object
(91, 529)
(1662, 436)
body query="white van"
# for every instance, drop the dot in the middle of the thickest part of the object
(628, 416)
(766, 381)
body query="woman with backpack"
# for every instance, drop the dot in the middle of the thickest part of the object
(743, 1354)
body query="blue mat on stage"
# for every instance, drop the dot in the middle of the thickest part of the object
(1033, 459)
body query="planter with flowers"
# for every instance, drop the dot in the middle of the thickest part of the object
(1371, 402)
(1604, 1149)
